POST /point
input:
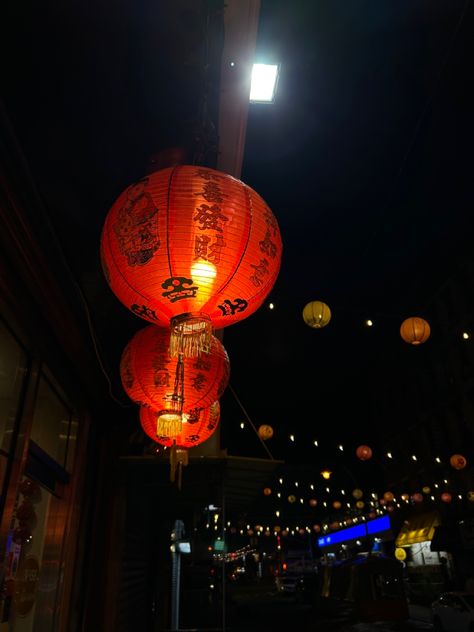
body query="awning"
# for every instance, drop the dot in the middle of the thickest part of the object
(417, 529)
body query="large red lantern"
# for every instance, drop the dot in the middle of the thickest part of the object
(191, 248)
(171, 386)
(364, 453)
(446, 497)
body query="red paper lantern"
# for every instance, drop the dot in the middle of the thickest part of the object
(417, 497)
(364, 453)
(191, 245)
(168, 385)
(267, 491)
(317, 528)
(458, 461)
(313, 502)
(336, 504)
(388, 497)
(197, 426)
(446, 497)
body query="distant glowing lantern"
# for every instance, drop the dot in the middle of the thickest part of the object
(291, 499)
(426, 489)
(301, 531)
(317, 528)
(405, 497)
(360, 504)
(334, 525)
(458, 461)
(417, 497)
(316, 314)
(446, 497)
(400, 554)
(415, 330)
(250, 532)
(336, 504)
(326, 474)
(265, 432)
(313, 502)
(372, 515)
(277, 528)
(364, 453)
(267, 491)
(171, 386)
(190, 248)
(382, 501)
(388, 497)
(391, 508)
(470, 496)
(357, 493)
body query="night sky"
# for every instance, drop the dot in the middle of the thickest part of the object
(365, 159)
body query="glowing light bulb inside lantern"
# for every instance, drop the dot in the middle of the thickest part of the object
(191, 332)
(203, 274)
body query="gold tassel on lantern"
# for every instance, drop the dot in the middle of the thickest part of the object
(190, 335)
(178, 459)
(169, 424)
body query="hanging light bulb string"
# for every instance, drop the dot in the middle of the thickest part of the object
(250, 422)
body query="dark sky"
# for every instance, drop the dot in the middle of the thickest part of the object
(365, 158)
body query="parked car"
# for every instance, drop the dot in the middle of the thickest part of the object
(454, 612)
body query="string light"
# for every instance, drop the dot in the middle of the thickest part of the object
(271, 306)
(315, 443)
(465, 335)
(413, 456)
(242, 425)
(369, 322)
(389, 455)
(341, 448)
(438, 460)
(281, 481)
(292, 437)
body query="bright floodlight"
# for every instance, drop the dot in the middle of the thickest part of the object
(263, 84)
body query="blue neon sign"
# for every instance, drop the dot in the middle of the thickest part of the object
(358, 531)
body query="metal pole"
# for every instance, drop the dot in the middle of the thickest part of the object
(223, 563)
(176, 535)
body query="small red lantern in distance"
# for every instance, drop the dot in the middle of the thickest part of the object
(458, 461)
(417, 497)
(191, 248)
(364, 453)
(313, 502)
(336, 504)
(267, 491)
(446, 497)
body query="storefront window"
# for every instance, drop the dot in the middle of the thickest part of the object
(13, 363)
(54, 429)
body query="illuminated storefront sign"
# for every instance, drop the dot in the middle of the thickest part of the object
(356, 532)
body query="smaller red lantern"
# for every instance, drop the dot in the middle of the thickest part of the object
(446, 497)
(265, 432)
(417, 497)
(458, 461)
(334, 525)
(284, 533)
(382, 501)
(313, 502)
(267, 491)
(388, 497)
(364, 453)
(372, 515)
(391, 508)
(301, 531)
(336, 504)
(316, 528)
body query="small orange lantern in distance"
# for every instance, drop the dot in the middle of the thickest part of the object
(388, 497)
(190, 248)
(446, 497)
(458, 461)
(364, 453)
(415, 330)
(267, 491)
(265, 432)
(337, 504)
